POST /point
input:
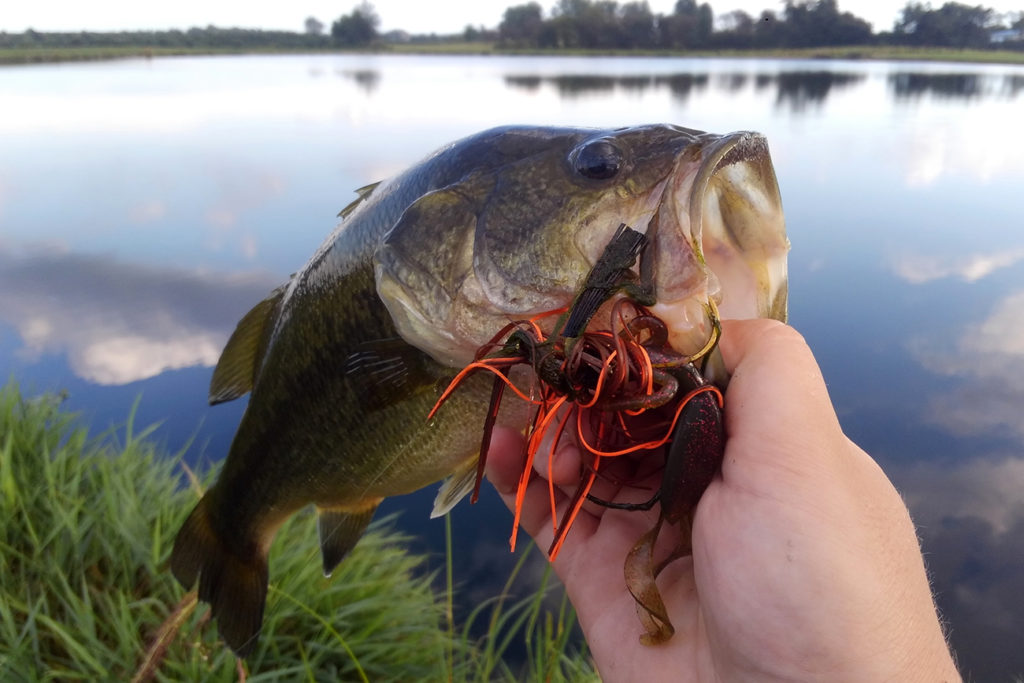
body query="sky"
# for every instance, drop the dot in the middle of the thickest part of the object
(414, 16)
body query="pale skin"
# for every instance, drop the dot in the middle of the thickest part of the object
(806, 565)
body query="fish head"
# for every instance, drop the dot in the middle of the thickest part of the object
(516, 229)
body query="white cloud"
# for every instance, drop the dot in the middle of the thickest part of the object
(221, 217)
(989, 356)
(989, 489)
(945, 143)
(120, 360)
(119, 323)
(147, 211)
(921, 268)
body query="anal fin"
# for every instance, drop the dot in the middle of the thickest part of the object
(340, 529)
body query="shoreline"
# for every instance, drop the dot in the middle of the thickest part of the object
(23, 56)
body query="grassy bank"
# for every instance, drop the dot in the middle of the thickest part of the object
(86, 525)
(91, 54)
(39, 55)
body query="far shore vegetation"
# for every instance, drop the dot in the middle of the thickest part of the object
(814, 29)
(86, 526)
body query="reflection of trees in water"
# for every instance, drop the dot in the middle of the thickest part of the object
(636, 84)
(579, 85)
(1013, 85)
(366, 79)
(908, 85)
(571, 85)
(732, 82)
(797, 89)
(681, 85)
(800, 89)
(530, 83)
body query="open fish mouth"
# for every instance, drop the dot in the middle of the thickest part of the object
(718, 240)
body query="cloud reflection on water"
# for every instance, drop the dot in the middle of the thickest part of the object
(120, 322)
(989, 358)
(921, 268)
(969, 509)
(970, 516)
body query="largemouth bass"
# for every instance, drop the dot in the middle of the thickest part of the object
(345, 361)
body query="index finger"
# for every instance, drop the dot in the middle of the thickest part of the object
(777, 404)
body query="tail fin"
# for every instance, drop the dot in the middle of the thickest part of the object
(234, 582)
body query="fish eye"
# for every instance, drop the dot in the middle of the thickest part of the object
(598, 160)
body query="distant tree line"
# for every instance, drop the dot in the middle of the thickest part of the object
(954, 25)
(356, 29)
(602, 24)
(607, 24)
(210, 37)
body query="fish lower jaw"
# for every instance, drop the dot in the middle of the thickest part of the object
(689, 323)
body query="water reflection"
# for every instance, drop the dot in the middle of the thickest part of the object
(794, 89)
(575, 85)
(733, 82)
(799, 90)
(988, 358)
(970, 509)
(1013, 85)
(918, 269)
(366, 79)
(912, 85)
(962, 86)
(118, 322)
(682, 85)
(971, 520)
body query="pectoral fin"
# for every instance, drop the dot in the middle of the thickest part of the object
(454, 488)
(236, 369)
(386, 371)
(340, 529)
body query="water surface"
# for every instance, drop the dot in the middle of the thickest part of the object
(145, 205)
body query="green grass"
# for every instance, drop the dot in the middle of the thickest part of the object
(29, 55)
(866, 52)
(86, 525)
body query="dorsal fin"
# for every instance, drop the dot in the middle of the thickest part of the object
(236, 369)
(363, 192)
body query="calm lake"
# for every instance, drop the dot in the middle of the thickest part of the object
(146, 205)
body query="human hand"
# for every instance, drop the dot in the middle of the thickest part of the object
(805, 566)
